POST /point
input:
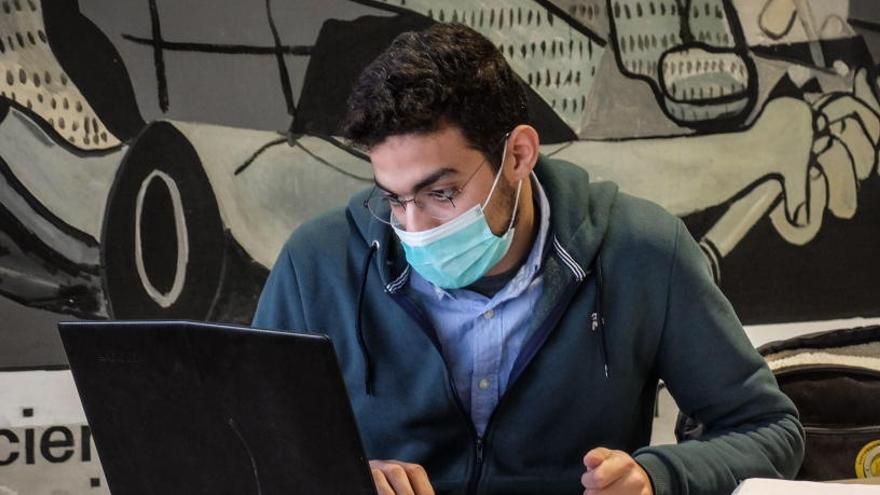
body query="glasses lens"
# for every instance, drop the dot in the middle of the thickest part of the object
(439, 205)
(378, 206)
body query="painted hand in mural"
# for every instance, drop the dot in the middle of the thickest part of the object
(845, 149)
(845, 133)
(400, 478)
(614, 472)
(765, 168)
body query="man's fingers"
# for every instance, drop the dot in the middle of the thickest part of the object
(611, 469)
(400, 478)
(596, 456)
(418, 478)
(381, 483)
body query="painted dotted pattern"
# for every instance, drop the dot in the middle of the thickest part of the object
(647, 29)
(32, 78)
(683, 72)
(591, 13)
(557, 61)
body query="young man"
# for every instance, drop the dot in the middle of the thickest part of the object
(502, 322)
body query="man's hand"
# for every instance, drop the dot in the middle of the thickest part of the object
(400, 478)
(614, 472)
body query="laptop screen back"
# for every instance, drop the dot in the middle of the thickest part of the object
(183, 407)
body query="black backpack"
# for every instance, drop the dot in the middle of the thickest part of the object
(833, 378)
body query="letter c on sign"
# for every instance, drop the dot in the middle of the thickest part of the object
(13, 438)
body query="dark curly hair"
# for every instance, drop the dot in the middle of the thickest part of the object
(446, 74)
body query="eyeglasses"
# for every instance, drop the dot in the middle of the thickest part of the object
(436, 203)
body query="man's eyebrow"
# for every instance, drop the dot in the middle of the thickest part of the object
(427, 181)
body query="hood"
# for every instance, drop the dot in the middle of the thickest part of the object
(579, 210)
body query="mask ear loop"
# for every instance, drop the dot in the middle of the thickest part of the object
(500, 170)
(515, 205)
(495, 183)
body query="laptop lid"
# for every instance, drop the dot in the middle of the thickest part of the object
(186, 407)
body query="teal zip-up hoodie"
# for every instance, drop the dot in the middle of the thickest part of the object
(628, 300)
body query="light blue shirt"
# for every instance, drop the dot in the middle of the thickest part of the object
(481, 337)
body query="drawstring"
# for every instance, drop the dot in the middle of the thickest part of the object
(599, 320)
(368, 377)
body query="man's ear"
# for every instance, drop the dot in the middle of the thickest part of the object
(523, 147)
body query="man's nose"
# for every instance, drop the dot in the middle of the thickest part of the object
(416, 220)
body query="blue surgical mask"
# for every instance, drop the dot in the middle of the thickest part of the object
(460, 251)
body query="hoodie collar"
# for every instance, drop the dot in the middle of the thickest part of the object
(581, 211)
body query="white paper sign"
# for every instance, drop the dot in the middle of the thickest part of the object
(760, 486)
(46, 447)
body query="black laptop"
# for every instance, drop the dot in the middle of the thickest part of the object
(198, 408)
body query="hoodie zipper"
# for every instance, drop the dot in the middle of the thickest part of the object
(479, 442)
(545, 329)
(413, 310)
(478, 466)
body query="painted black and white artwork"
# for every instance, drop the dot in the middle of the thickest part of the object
(155, 154)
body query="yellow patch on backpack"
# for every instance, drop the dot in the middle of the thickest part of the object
(868, 460)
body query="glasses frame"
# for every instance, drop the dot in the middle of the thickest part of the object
(458, 190)
(403, 202)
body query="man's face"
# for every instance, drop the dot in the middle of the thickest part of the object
(440, 161)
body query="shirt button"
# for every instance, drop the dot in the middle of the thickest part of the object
(489, 314)
(484, 384)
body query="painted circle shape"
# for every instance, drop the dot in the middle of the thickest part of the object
(163, 299)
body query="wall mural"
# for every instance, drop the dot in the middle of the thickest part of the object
(155, 155)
